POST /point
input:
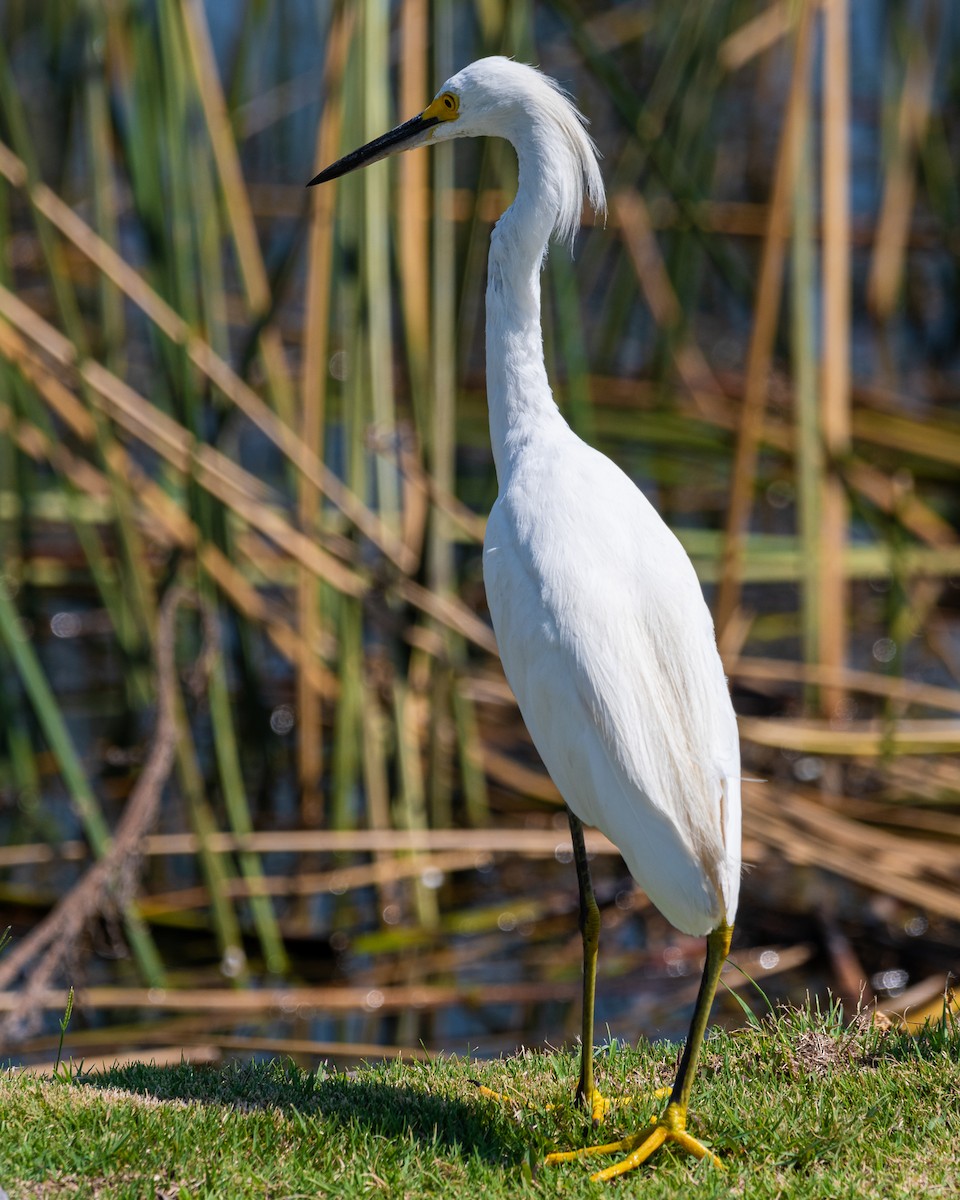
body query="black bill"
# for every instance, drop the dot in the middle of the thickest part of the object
(404, 137)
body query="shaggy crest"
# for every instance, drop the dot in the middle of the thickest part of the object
(577, 172)
(518, 97)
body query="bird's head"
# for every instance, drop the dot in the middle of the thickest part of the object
(501, 98)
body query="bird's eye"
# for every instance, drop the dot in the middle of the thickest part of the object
(445, 107)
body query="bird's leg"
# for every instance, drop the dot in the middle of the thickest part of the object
(587, 1095)
(672, 1126)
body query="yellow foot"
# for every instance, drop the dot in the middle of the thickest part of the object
(638, 1148)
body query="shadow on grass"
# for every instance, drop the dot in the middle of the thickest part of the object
(424, 1111)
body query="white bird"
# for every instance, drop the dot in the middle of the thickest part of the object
(602, 627)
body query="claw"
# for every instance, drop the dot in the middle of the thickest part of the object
(651, 1142)
(638, 1147)
(672, 1125)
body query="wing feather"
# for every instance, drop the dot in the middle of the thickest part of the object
(611, 653)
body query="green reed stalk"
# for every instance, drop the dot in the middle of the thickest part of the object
(346, 765)
(112, 321)
(131, 604)
(58, 738)
(476, 799)
(96, 109)
(376, 785)
(411, 808)
(376, 251)
(413, 226)
(441, 442)
(345, 772)
(440, 739)
(238, 814)
(440, 439)
(215, 867)
(313, 406)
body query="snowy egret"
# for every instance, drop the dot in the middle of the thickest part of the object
(602, 627)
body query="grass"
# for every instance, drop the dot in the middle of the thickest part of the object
(797, 1105)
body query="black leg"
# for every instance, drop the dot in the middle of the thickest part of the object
(587, 1094)
(672, 1126)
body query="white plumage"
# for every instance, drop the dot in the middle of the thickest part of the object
(602, 628)
(608, 646)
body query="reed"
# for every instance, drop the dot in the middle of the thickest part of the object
(744, 470)
(835, 363)
(206, 375)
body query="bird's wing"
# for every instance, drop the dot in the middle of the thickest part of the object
(609, 647)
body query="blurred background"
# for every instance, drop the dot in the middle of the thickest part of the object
(263, 786)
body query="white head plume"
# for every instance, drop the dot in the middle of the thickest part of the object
(502, 98)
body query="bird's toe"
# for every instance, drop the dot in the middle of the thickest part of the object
(637, 1148)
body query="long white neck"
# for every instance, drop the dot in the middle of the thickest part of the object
(519, 399)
